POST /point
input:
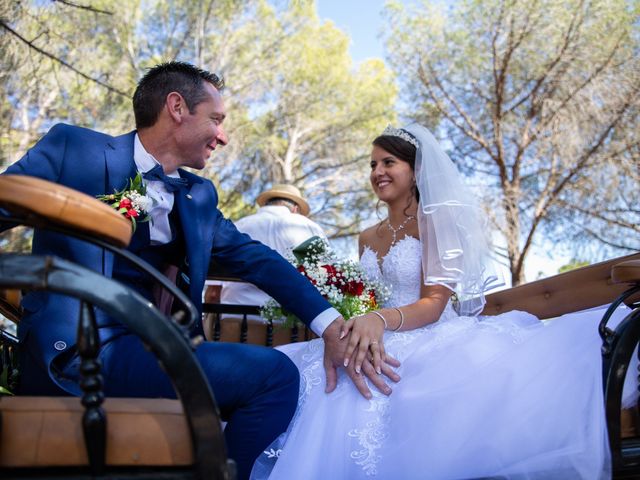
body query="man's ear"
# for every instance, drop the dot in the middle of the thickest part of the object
(295, 208)
(176, 106)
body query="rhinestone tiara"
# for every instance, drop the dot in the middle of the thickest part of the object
(403, 134)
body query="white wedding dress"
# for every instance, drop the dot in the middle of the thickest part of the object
(505, 397)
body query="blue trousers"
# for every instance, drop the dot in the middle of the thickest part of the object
(256, 388)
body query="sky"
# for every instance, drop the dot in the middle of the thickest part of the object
(363, 22)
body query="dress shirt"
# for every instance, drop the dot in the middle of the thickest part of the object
(162, 200)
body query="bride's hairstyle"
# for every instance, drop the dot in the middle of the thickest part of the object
(455, 250)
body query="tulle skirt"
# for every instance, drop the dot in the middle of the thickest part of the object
(505, 396)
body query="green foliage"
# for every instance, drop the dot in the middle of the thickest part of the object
(16, 240)
(572, 265)
(539, 102)
(299, 110)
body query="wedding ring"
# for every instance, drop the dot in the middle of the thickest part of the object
(374, 343)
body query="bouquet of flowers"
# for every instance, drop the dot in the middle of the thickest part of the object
(341, 282)
(132, 201)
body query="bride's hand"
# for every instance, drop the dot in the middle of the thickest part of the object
(366, 336)
(334, 348)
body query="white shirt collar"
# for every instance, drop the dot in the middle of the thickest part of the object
(275, 208)
(144, 160)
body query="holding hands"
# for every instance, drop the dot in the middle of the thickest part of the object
(366, 338)
(358, 346)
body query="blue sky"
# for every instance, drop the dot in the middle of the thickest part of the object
(361, 20)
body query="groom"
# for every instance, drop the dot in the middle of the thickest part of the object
(179, 114)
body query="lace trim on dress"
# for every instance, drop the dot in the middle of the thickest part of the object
(372, 437)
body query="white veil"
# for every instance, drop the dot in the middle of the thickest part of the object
(455, 251)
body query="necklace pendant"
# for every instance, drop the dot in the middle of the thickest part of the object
(394, 231)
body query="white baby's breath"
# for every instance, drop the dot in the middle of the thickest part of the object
(341, 282)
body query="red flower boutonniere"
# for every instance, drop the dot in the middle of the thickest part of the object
(132, 201)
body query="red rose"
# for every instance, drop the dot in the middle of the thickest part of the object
(131, 213)
(125, 203)
(332, 274)
(355, 288)
(331, 270)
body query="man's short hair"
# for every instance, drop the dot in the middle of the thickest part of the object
(282, 201)
(161, 80)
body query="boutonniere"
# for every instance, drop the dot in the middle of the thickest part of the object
(132, 201)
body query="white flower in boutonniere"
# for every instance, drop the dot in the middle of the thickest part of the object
(132, 201)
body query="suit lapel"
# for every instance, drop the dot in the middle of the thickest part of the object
(119, 163)
(120, 167)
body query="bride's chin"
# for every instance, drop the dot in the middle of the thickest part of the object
(386, 197)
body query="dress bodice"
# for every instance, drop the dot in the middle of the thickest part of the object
(399, 269)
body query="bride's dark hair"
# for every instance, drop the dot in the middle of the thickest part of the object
(401, 149)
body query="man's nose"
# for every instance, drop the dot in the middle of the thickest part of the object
(222, 137)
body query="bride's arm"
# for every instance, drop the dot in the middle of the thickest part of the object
(433, 299)
(367, 330)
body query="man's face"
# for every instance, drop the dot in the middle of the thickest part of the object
(201, 131)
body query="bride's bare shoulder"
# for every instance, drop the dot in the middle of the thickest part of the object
(369, 238)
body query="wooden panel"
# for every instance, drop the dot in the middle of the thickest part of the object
(10, 304)
(571, 291)
(47, 431)
(60, 205)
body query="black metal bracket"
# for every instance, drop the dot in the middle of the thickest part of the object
(190, 313)
(164, 338)
(618, 349)
(94, 419)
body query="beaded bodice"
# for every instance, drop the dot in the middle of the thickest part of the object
(399, 269)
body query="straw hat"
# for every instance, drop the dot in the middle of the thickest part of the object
(284, 191)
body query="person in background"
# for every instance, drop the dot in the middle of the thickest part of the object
(281, 223)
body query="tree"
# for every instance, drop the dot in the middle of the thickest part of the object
(572, 265)
(314, 127)
(299, 112)
(60, 64)
(539, 100)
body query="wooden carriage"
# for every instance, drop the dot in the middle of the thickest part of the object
(88, 437)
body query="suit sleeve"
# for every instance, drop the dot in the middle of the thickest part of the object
(43, 160)
(256, 263)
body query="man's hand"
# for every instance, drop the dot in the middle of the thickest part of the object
(334, 351)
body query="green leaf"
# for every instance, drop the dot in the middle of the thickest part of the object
(4, 391)
(302, 251)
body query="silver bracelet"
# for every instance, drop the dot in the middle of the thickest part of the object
(386, 327)
(401, 319)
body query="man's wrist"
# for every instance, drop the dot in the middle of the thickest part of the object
(322, 321)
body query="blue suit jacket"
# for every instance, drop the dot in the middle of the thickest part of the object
(95, 163)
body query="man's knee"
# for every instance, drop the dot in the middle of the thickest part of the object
(284, 372)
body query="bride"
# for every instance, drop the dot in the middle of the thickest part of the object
(505, 396)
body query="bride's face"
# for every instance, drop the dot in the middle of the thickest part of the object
(391, 178)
